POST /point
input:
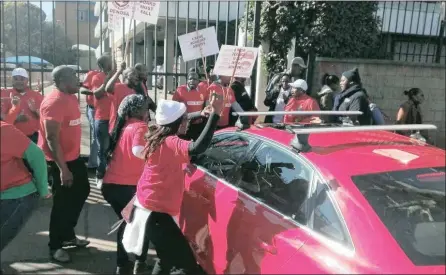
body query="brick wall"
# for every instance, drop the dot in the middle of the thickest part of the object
(386, 81)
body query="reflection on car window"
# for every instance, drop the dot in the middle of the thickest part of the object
(326, 220)
(278, 179)
(224, 153)
(411, 204)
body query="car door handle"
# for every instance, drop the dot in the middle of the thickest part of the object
(271, 249)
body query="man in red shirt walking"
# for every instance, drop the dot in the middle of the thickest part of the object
(102, 105)
(60, 140)
(27, 119)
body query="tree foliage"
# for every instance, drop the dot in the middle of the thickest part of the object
(53, 47)
(331, 29)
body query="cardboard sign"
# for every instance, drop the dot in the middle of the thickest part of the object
(115, 22)
(198, 44)
(227, 61)
(145, 11)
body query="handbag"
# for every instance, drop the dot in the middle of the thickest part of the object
(128, 211)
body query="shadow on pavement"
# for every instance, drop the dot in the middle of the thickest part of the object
(28, 253)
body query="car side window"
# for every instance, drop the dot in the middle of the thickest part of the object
(326, 219)
(224, 154)
(278, 179)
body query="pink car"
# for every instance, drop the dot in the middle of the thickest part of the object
(356, 202)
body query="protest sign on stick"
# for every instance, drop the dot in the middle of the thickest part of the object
(199, 44)
(235, 61)
(147, 11)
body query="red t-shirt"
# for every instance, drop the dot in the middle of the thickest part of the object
(120, 91)
(203, 85)
(14, 143)
(101, 106)
(87, 83)
(303, 103)
(32, 125)
(228, 97)
(161, 185)
(63, 108)
(193, 99)
(124, 168)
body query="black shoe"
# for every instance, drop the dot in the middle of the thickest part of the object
(76, 242)
(142, 268)
(124, 270)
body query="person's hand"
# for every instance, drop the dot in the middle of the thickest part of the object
(15, 100)
(66, 178)
(316, 120)
(32, 105)
(206, 111)
(122, 67)
(216, 103)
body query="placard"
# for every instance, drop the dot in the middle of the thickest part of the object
(227, 60)
(144, 11)
(198, 44)
(115, 22)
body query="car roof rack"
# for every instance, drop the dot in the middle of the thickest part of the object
(299, 113)
(242, 122)
(300, 141)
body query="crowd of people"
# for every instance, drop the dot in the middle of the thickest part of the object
(139, 164)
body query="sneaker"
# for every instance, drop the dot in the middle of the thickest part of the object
(76, 242)
(60, 256)
(142, 268)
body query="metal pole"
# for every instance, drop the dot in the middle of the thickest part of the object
(41, 49)
(29, 45)
(256, 44)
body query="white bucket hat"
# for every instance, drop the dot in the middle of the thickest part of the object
(168, 111)
(20, 72)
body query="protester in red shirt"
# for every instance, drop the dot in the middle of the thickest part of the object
(161, 185)
(194, 98)
(102, 105)
(60, 140)
(86, 90)
(27, 119)
(125, 166)
(221, 87)
(300, 101)
(19, 189)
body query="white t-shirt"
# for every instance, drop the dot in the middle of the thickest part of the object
(280, 104)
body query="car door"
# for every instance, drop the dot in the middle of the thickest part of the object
(207, 201)
(273, 200)
(329, 248)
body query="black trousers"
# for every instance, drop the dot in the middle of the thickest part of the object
(67, 202)
(172, 248)
(118, 196)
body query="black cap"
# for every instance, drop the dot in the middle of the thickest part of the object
(352, 76)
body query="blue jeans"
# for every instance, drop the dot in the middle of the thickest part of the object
(93, 159)
(103, 140)
(14, 213)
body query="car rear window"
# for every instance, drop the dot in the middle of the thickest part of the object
(411, 204)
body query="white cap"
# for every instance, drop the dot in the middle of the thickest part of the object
(300, 84)
(299, 61)
(168, 111)
(20, 72)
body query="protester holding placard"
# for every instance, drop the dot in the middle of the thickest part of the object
(221, 87)
(194, 98)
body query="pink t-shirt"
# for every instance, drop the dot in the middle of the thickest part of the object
(124, 168)
(161, 185)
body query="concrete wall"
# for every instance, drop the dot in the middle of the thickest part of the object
(386, 81)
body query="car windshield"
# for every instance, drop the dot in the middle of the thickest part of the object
(411, 204)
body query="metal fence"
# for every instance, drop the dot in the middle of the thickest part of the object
(413, 31)
(76, 33)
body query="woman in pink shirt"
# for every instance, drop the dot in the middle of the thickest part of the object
(160, 188)
(125, 164)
